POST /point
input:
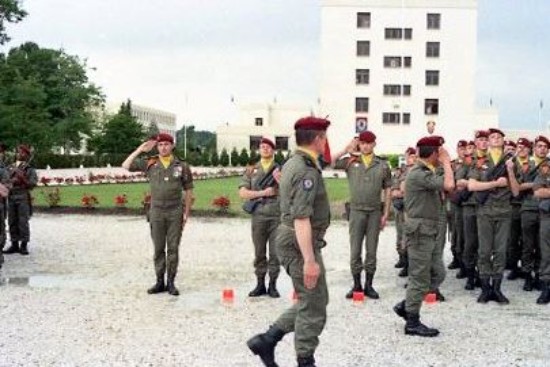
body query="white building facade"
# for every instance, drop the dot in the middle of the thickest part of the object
(390, 66)
(166, 121)
(256, 120)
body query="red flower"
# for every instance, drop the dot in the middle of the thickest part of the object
(89, 201)
(222, 203)
(121, 200)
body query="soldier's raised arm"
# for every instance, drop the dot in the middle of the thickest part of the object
(143, 148)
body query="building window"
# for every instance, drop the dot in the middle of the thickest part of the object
(362, 76)
(361, 104)
(392, 61)
(406, 90)
(281, 142)
(407, 60)
(259, 121)
(408, 33)
(363, 48)
(393, 33)
(392, 90)
(363, 20)
(432, 77)
(255, 142)
(432, 49)
(431, 106)
(406, 118)
(434, 21)
(390, 118)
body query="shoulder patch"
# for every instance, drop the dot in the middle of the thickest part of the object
(307, 184)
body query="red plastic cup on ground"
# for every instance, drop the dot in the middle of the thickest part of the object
(228, 295)
(430, 298)
(358, 297)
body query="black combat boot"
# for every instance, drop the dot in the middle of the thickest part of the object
(486, 291)
(528, 284)
(370, 292)
(470, 282)
(24, 249)
(405, 271)
(356, 286)
(515, 273)
(272, 290)
(461, 273)
(415, 327)
(537, 283)
(13, 249)
(171, 287)
(158, 287)
(400, 263)
(497, 293)
(454, 264)
(545, 295)
(260, 287)
(306, 361)
(400, 310)
(438, 296)
(263, 345)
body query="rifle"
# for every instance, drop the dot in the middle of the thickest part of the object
(268, 180)
(498, 171)
(529, 177)
(22, 168)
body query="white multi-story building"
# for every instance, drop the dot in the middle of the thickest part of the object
(255, 120)
(390, 66)
(166, 121)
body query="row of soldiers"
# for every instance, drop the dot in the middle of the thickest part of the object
(499, 214)
(16, 182)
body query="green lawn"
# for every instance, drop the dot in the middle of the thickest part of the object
(205, 191)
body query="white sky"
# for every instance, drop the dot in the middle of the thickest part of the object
(191, 56)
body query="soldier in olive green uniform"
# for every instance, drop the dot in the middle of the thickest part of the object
(530, 220)
(168, 177)
(397, 195)
(469, 208)
(457, 235)
(369, 177)
(423, 204)
(23, 179)
(493, 220)
(541, 189)
(265, 218)
(3, 199)
(305, 217)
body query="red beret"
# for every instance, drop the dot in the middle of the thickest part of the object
(268, 142)
(367, 137)
(510, 142)
(496, 131)
(482, 134)
(471, 142)
(25, 149)
(525, 142)
(410, 150)
(165, 137)
(543, 139)
(462, 144)
(431, 141)
(312, 123)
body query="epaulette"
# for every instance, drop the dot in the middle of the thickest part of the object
(352, 159)
(152, 160)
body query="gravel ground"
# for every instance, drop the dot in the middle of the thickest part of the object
(79, 300)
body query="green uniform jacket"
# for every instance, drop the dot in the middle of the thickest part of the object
(422, 193)
(529, 203)
(269, 206)
(366, 183)
(499, 198)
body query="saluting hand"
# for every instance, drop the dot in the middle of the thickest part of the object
(311, 274)
(147, 146)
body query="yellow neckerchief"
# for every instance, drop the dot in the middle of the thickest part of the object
(522, 161)
(166, 160)
(538, 160)
(481, 153)
(313, 155)
(430, 166)
(367, 159)
(266, 163)
(495, 154)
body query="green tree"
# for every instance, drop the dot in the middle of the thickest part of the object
(215, 159)
(244, 157)
(11, 12)
(153, 129)
(122, 133)
(254, 156)
(235, 159)
(46, 98)
(205, 159)
(224, 158)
